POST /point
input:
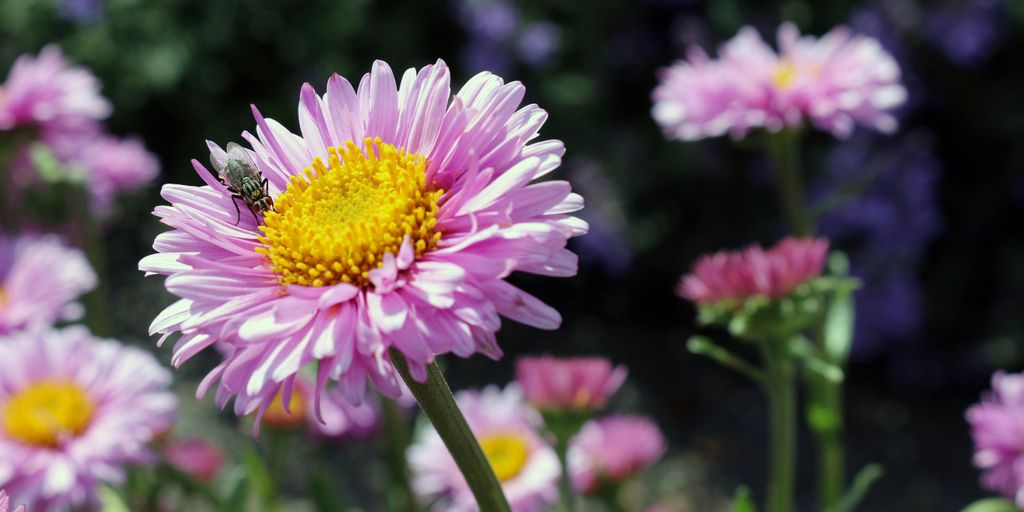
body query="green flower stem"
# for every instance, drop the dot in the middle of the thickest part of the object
(825, 417)
(567, 495)
(436, 400)
(784, 148)
(97, 302)
(780, 386)
(401, 497)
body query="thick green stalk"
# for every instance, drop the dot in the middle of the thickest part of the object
(780, 386)
(825, 416)
(784, 148)
(401, 497)
(437, 402)
(566, 493)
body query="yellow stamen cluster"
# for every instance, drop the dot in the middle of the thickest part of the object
(335, 221)
(785, 74)
(277, 416)
(507, 454)
(48, 412)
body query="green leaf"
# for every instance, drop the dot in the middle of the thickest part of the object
(111, 501)
(742, 501)
(860, 486)
(992, 505)
(260, 480)
(325, 495)
(838, 332)
(236, 491)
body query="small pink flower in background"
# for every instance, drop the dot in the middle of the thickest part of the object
(196, 457)
(5, 503)
(40, 278)
(576, 383)
(505, 425)
(740, 275)
(113, 166)
(835, 82)
(47, 92)
(997, 426)
(611, 449)
(416, 262)
(74, 411)
(338, 419)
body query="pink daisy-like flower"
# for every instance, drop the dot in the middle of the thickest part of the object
(113, 166)
(505, 425)
(997, 426)
(576, 383)
(740, 275)
(335, 419)
(47, 92)
(195, 457)
(609, 450)
(836, 82)
(5, 503)
(74, 410)
(40, 278)
(396, 216)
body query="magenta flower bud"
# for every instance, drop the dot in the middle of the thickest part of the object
(576, 383)
(196, 457)
(740, 275)
(997, 426)
(609, 450)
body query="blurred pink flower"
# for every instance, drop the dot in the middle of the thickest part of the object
(505, 425)
(5, 503)
(611, 449)
(113, 166)
(335, 418)
(997, 426)
(74, 411)
(577, 383)
(47, 92)
(417, 262)
(40, 278)
(740, 275)
(835, 82)
(196, 457)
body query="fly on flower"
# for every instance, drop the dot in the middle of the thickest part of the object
(245, 182)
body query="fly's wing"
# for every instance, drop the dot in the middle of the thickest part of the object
(218, 158)
(241, 156)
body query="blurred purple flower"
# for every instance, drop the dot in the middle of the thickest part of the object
(496, 20)
(968, 32)
(114, 166)
(606, 244)
(196, 457)
(537, 43)
(885, 229)
(611, 449)
(82, 11)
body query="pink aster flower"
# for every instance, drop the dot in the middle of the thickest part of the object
(397, 214)
(196, 457)
(997, 426)
(739, 275)
(609, 450)
(40, 278)
(47, 92)
(835, 82)
(113, 166)
(5, 503)
(333, 418)
(505, 426)
(578, 383)
(74, 410)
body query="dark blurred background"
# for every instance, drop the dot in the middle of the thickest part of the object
(935, 234)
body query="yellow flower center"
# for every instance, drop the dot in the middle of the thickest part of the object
(48, 412)
(335, 221)
(785, 74)
(507, 454)
(277, 416)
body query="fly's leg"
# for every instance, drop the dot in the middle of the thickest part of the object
(238, 211)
